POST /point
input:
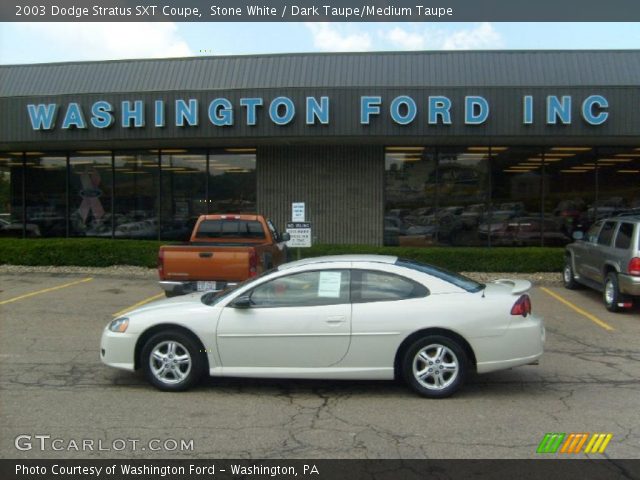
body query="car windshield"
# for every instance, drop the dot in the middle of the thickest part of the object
(213, 298)
(455, 278)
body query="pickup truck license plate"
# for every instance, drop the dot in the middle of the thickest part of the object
(204, 286)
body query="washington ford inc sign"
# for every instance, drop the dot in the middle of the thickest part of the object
(221, 112)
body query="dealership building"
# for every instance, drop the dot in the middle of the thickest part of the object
(396, 148)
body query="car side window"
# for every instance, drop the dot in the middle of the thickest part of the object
(373, 286)
(322, 287)
(623, 238)
(606, 234)
(592, 234)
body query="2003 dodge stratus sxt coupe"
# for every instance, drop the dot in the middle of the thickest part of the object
(341, 317)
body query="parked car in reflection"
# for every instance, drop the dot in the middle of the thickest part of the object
(495, 224)
(533, 231)
(343, 317)
(471, 216)
(17, 230)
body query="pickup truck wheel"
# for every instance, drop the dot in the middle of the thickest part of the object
(435, 366)
(172, 361)
(611, 293)
(567, 276)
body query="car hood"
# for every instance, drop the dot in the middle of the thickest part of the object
(180, 301)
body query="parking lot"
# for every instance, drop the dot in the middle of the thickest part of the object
(52, 383)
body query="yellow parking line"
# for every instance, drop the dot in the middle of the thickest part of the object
(142, 302)
(27, 295)
(593, 318)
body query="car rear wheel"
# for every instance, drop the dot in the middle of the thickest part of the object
(172, 361)
(435, 366)
(567, 276)
(611, 293)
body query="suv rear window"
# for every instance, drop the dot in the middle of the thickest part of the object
(230, 229)
(625, 233)
(606, 234)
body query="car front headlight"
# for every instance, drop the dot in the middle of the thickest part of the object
(119, 325)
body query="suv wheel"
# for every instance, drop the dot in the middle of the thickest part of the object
(567, 275)
(611, 294)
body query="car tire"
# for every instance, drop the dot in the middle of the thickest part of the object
(568, 278)
(435, 366)
(172, 361)
(611, 294)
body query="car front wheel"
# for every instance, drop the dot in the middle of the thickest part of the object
(435, 366)
(172, 361)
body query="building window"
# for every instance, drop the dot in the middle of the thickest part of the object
(46, 194)
(11, 212)
(232, 180)
(137, 178)
(183, 192)
(90, 194)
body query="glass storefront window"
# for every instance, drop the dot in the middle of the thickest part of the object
(463, 193)
(90, 194)
(618, 180)
(136, 202)
(46, 194)
(569, 191)
(11, 224)
(410, 196)
(184, 193)
(232, 180)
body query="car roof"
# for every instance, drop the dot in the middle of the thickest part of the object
(388, 259)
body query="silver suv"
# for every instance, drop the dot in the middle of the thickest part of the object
(607, 259)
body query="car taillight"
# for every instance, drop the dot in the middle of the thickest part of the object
(522, 306)
(634, 267)
(160, 264)
(253, 262)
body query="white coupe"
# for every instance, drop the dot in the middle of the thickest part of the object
(338, 317)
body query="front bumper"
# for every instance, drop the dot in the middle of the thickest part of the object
(629, 285)
(117, 349)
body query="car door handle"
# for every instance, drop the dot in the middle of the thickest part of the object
(336, 319)
(205, 254)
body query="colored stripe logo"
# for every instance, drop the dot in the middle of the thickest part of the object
(574, 442)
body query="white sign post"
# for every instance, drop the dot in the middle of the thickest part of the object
(300, 233)
(297, 212)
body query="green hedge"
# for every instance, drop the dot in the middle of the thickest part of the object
(84, 252)
(90, 252)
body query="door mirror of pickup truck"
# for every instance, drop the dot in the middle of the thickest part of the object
(243, 301)
(578, 235)
(285, 237)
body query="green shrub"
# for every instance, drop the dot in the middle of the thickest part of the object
(93, 252)
(84, 252)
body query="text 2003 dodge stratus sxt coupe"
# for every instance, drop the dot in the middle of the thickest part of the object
(341, 317)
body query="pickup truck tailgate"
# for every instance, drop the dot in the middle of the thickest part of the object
(205, 263)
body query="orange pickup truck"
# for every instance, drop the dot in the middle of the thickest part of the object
(223, 251)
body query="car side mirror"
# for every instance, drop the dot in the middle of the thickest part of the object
(577, 235)
(285, 236)
(243, 301)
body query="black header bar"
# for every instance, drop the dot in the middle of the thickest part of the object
(321, 11)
